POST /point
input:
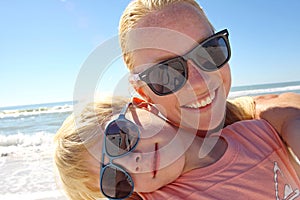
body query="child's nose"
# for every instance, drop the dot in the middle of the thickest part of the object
(130, 162)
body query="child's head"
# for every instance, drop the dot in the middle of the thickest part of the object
(158, 159)
(177, 61)
(77, 143)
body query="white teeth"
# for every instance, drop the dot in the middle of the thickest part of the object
(202, 103)
(213, 96)
(208, 100)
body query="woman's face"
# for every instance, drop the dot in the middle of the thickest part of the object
(200, 103)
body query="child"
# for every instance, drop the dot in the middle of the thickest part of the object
(250, 161)
(77, 135)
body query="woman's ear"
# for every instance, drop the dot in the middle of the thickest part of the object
(142, 93)
(140, 90)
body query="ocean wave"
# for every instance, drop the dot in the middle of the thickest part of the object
(25, 140)
(26, 146)
(35, 111)
(233, 94)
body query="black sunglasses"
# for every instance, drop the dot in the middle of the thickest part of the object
(120, 138)
(170, 75)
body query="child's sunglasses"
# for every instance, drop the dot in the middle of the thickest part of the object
(120, 138)
(170, 75)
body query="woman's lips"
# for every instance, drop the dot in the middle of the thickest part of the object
(155, 160)
(201, 104)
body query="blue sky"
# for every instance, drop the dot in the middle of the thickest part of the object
(43, 44)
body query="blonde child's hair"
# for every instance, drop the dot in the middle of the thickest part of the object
(138, 9)
(73, 141)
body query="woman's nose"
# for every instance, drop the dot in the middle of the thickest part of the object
(197, 78)
(195, 73)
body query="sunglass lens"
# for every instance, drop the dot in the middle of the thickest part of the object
(167, 77)
(121, 137)
(115, 183)
(211, 55)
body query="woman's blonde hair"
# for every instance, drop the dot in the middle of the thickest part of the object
(238, 109)
(138, 9)
(73, 141)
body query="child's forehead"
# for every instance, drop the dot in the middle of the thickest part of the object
(144, 118)
(149, 124)
(140, 117)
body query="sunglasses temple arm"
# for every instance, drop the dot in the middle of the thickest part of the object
(124, 110)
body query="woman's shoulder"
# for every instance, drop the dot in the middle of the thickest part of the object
(257, 132)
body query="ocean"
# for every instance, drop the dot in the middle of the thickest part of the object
(271, 88)
(26, 144)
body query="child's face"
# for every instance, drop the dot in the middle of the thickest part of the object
(183, 107)
(159, 157)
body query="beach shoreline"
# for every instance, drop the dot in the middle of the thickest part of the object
(27, 175)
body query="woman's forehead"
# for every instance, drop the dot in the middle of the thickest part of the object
(153, 37)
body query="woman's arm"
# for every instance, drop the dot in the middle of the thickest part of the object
(283, 113)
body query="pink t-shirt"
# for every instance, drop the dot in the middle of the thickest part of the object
(255, 166)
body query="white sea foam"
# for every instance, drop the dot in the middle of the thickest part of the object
(26, 170)
(20, 144)
(25, 140)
